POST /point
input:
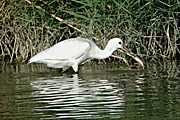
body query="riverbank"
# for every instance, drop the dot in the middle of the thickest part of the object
(150, 29)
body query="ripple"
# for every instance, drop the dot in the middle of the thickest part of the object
(73, 97)
(92, 94)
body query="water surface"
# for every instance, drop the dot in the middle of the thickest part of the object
(96, 92)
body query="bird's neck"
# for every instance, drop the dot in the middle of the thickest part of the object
(106, 52)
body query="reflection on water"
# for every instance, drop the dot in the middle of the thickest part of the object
(97, 91)
(74, 97)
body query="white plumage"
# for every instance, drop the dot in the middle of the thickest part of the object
(72, 52)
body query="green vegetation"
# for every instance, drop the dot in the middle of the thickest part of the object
(151, 28)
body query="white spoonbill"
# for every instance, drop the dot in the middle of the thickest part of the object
(72, 52)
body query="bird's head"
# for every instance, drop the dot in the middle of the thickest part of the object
(116, 43)
(119, 45)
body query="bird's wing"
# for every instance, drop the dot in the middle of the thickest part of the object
(66, 50)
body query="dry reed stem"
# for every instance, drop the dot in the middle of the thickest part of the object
(59, 19)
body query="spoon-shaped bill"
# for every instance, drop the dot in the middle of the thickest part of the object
(131, 54)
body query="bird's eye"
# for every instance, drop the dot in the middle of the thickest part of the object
(120, 42)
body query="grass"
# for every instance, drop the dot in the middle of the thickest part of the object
(150, 27)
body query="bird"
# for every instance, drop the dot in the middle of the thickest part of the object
(74, 51)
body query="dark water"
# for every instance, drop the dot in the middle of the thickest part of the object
(96, 92)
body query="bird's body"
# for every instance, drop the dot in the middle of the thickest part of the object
(72, 52)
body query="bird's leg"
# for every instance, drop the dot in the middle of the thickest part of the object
(75, 67)
(114, 56)
(65, 69)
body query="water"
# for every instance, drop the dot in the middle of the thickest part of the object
(96, 92)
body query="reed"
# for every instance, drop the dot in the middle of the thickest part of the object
(150, 28)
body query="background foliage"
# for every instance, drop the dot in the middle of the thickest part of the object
(150, 28)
